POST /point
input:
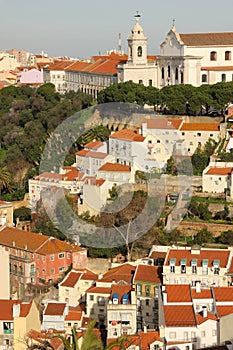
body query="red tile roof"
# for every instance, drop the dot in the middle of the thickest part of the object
(92, 154)
(55, 309)
(200, 127)
(223, 293)
(219, 171)
(207, 39)
(77, 66)
(121, 289)
(178, 293)
(71, 279)
(71, 174)
(115, 167)
(6, 307)
(74, 314)
(201, 319)
(222, 255)
(124, 272)
(128, 135)
(163, 123)
(143, 340)
(94, 144)
(34, 242)
(217, 68)
(224, 310)
(40, 337)
(99, 290)
(204, 294)
(145, 273)
(49, 176)
(59, 65)
(179, 316)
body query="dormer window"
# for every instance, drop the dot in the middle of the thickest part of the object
(205, 263)
(139, 51)
(172, 265)
(183, 265)
(194, 266)
(216, 264)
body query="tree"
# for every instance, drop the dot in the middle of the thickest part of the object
(5, 180)
(203, 236)
(171, 168)
(226, 237)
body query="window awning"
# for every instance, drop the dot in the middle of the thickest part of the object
(205, 262)
(173, 261)
(194, 262)
(183, 261)
(216, 263)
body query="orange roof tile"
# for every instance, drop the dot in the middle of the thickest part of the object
(74, 314)
(143, 340)
(6, 307)
(49, 176)
(217, 68)
(53, 309)
(92, 154)
(158, 255)
(222, 255)
(115, 167)
(77, 66)
(179, 316)
(207, 39)
(121, 289)
(163, 123)
(71, 279)
(201, 319)
(145, 273)
(200, 127)
(99, 290)
(224, 310)
(123, 272)
(94, 144)
(223, 293)
(34, 242)
(204, 294)
(219, 171)
(178, 293)
(59, 65)
(128, 135)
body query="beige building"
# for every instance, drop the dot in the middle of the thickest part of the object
(6, 213)
(217, 178)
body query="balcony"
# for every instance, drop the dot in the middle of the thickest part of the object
(8, 331)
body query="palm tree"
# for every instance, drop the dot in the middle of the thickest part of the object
(122, 343)
(5, 179)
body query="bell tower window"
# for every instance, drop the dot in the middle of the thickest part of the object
(139, 51)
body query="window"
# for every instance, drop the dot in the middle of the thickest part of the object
(139, 289)
(139, 51)
(69, 324)
(194, 269)
(183, 133)
(214, 333)
(156, 347)
(91, 297)
(147, 288)
(61, 255)
(172, 265)
(223, 78)
(162, 73)
(61, 268)
(186, 335)
(43, 271)
(193, 335)
(43, 258)
(202, 334)
(204, 78)
(169, 71)
(183, 265)
(147, 302)
(205, 263)
(52, 271)
(150, 82)
(199, 134)
(172, 335)
(227, 55)
(181, 77)
(140, 81)
(213, 56)
(52, 257)
(176, 74)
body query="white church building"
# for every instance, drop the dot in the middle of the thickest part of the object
(197, 58)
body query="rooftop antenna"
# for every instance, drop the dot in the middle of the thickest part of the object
(173, 22)
(119, 42)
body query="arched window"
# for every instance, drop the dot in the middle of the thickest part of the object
(130, 51)
(176, 74)
(204, 78)
(227, 55)
(223, 77)
(181, 77)
(162, 71)
(169, 71)
(139, 51)
(213, 56)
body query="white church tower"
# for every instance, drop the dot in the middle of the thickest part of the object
(137, 44)
(138, 67)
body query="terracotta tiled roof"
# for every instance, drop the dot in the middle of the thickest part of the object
(158, 255)
(145, 273)
(222, 255)
(217, 68)
(178, 293)
(40, 337)
(94, 144)
(179, 316)
(71, 279)
(71, 175)
(112, 56)
(34, 242)
(204, 294)
(48, 176)
(201, 319)
(219, 171)
(121, 289)
(207, 39)
(123, 272)
(4, 203)
(163, 123)
(74, 314)
(6, 307)
(100, 182)
(200, 127)
(223, 293)
(55, 309)
(59, 65)
(77, 66)
(92, 154)
(224, 310)
(143, 340)
(88, 275)
(99, 290)
(128, 135)
(115, 167)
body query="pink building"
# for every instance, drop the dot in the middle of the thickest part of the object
(32, 76)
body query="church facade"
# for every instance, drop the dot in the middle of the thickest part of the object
(202, 58)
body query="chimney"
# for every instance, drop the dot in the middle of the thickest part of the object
(145, 329)
(204, 311)
(198, 287)
(100, 276)
(16, 310)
